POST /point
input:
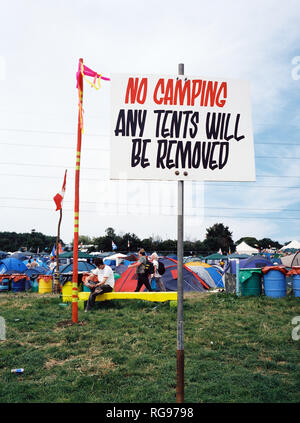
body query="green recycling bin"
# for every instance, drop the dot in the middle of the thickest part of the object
(250, 280)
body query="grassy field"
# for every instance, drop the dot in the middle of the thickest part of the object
(237, 350)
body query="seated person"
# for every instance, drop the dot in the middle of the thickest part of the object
(105, 282)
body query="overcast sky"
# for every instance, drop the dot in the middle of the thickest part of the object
(40, 44)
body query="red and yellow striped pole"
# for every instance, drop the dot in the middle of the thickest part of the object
(76, 205)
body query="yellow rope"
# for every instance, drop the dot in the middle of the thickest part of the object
(92, 84)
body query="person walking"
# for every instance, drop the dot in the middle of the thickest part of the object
(142, 277)
(105, 283)
(156, 276)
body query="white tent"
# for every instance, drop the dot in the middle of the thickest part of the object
(118, 257)
(292, 244)
(291, 260)
(244, 248)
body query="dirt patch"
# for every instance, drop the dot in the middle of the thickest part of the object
(51, 363)
(95, 365)
(83, 364)
(264, 372)
(194, 295)
(66, 323)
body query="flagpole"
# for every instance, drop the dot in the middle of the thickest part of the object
(76, 204)
(180, 251)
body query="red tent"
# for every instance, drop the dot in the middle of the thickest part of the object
(191, 281)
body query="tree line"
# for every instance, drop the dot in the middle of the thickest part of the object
(32, 241)
(217, 237)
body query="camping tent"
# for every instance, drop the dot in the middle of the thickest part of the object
(117, 258)
(34, 273)
(211, 275)
(122, 268)
(244, 248)
(189, 259)
(3, 254)
(20, 256)
(83, 266)
(276, 260)
(292, 245)
(191, 281)
(12, 264)
(237, 256)
(214, 257)
(131, 257)
(250, 263)
(291, 260)
(102, 255)
(81, 255)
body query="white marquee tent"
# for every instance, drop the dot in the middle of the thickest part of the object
(244, 248)
(292, 244)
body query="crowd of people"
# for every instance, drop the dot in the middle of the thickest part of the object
(102, 279)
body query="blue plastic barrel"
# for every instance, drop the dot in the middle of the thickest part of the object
(296, 285)
(4, 283)
(17, 284)
(275, 284)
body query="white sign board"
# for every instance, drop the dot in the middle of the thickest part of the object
(173, 128)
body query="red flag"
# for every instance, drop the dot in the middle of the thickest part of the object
(60, 195)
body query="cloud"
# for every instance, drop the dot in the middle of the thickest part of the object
(247, 40)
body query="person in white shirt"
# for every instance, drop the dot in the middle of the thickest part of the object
(52, 265)
(157, 277)
(105, 283)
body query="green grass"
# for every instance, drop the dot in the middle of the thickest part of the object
(125, 351)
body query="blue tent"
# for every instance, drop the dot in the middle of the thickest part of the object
(249, 263)
(3, 254)
(191, 281)
(83, 266)
(122, 267)
(20, 256)
(276, 260)
(12, 264)
(109, 262)
(211, 275)
(216, 274)
(237, 256)
(33, 273)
